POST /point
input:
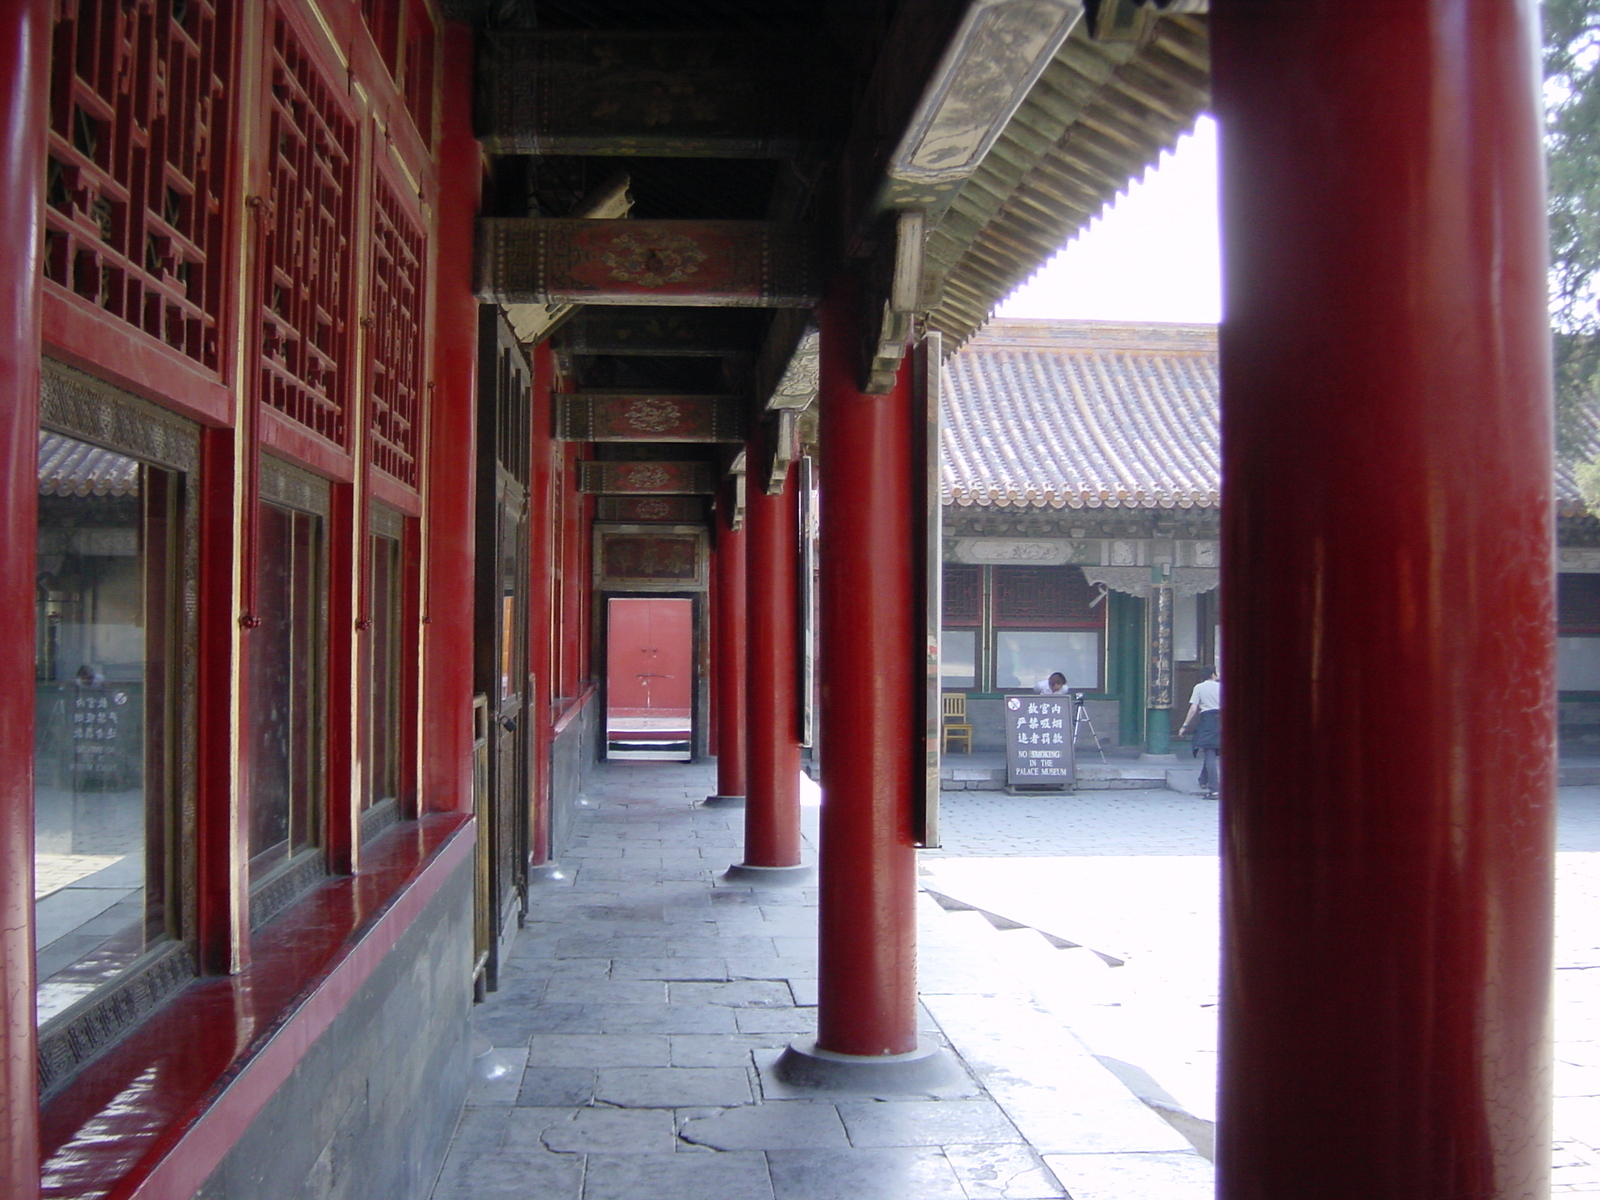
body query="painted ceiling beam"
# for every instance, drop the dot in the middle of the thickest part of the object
(632, 416)
(661, 332)
(663, 94)
(647, 478)
(731, 264)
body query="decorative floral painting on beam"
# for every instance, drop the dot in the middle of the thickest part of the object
(646, 557)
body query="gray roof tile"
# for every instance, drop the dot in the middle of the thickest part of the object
(1082, 414)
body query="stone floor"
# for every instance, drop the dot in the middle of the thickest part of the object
(636, 1024)
(646, 1000)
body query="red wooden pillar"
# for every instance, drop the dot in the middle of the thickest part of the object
(772, 732)
(871, 664)
(728, 652)
(447, 707)
(1387, 825)
(24, 85)
(542, 588)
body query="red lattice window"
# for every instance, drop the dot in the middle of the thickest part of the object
(395, 401)
(1043, 596)
(419, 72)
(963, 593)
(139, 113)
(309, 247)
(383, 23)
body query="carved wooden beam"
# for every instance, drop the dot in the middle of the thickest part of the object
(649, 417)
(647, 478)
(665, 332)
(673, 95)
(677, 510)
(733, 264)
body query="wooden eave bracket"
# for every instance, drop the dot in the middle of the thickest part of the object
(891, 299)
(1133, 20)
(785, 448)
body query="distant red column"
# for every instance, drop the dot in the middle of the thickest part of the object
(872, 662)
(447, 678)
(24, 85)
(1388, 731)
(772, 792)
(541, 569)
(728, 651)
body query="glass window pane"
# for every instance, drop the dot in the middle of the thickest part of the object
(384, 702)
(1023, 658)
(285, 656)
(1185, 627)
(958, 658)
(108, 612)
(1578, 664)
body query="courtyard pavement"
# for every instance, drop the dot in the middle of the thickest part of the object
(1067, 958)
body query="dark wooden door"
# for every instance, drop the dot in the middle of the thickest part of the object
(501, 649)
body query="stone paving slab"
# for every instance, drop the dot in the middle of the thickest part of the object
(627, 1046)
(637, 1015)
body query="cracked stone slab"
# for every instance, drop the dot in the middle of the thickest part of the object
(597, 1050)
(591, 1130)
(1174, 1176)
(681, 1177)
(859, 1174)
(796, 1125)
(1012, 1172)
(926, 1123)
(673, 1087)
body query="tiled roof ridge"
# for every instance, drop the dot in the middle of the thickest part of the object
(1093, 336)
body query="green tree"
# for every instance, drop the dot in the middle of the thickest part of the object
(1572, 104)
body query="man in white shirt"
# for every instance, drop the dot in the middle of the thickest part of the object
(1054, 686)
(1205, 714)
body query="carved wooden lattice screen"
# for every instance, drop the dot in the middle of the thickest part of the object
(138, 151)
(395, 401)
(963, 588)
(308, 250)
(1043, 596)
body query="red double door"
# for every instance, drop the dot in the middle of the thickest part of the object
(649, 678)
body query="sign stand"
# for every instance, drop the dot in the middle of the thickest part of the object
(1039, 742)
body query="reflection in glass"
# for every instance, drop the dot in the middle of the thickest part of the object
(384, 742)
(285, 656)
(1023, 658)
(958, 658)
(105, 734)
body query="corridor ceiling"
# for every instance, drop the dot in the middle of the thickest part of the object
(949, 147)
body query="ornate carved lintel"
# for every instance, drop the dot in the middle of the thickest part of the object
(649, 417)
(646, 478)
(733, 264)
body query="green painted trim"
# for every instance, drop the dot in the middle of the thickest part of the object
(1159, 723)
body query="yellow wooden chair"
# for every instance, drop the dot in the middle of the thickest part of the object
(956, 727)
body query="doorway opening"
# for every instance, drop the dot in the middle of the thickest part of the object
(649, 679)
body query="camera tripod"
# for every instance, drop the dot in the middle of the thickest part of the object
(1080, 720)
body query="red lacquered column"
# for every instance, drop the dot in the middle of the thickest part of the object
(772, 786)
(1388, 731)
(728, 651)
(24, 74)
(447, 687)
(871, 661)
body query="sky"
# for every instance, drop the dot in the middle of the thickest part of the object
(1152, 256)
